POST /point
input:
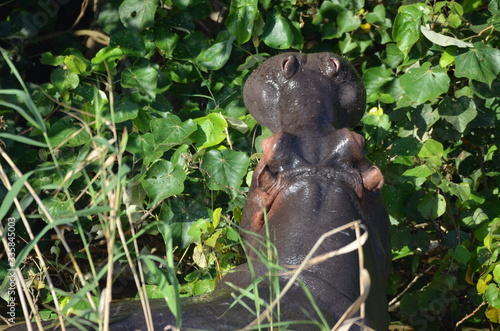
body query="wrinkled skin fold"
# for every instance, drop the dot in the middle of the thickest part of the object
(312, 178)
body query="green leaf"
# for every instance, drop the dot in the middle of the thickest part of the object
(447, 57)
(471, 219)
(462, 191)
(216, 56)
(481, 63)
(125, 109)
(280, 33)
(170, 131)
(162, 181)
(482, 284)
(52, 60)
(347, 21)
(143, 78)
(63, 79)
(420, 171)
(212, 130)
(423, 84)
(241, 18)
(179, 72)
(200, 228)
(129, 43)
(76, 64)
(203, 286)
(405, 31)
(431, 148)
(143, 146)
(166, 41)
(64, 131)
(461, 254)
(347, 44)
(458, 113)
(109, 54)
(377, 16)
(226, 169)
(492, 295)
(493, 314)
(496, 273)
(375, 79)
(137, 15)
(393, 56)
(432, 206)
(57, 208)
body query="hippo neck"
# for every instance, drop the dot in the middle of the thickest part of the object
(316, 126)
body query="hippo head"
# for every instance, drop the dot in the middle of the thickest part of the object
(305, 93)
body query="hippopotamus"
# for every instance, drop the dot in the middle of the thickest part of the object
(311, 179)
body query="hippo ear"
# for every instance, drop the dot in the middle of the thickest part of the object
(372, 178)
(289, 66)
(331, 66)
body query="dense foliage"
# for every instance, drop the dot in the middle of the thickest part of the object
(124, 137)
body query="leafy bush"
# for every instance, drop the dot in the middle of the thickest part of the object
(137, 147)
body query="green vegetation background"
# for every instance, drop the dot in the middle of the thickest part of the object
(124, 138)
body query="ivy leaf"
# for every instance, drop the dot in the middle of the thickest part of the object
(109, 54)
(179, 72)
(432, 206)
(216, 56)
(420, 171)
(481, 63)
(471, 219)
(462, 191)
(76, 64)
(171, 131)
(166, 41)
(143, 78)
(377, 16)
(423, 84)
(64, 131)
(347, 21)
(461, 254)
(431, 148)
(212, 130)
(226, 169)
(240, 21)
(63, 79)
(492, 295)
(493, 314)
(137, 15)
(143, 146)
(125, 109)
(280, 33)
(162, 181)
(375, 79)
(53, 60)
(405, 31)
(458, 113)
(57, 208)
(129, 43)
(496, 273)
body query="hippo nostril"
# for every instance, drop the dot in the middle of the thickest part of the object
(290, 66)
(332, 67)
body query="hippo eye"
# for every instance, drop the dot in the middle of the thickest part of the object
(332, 67)
(290, 66)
